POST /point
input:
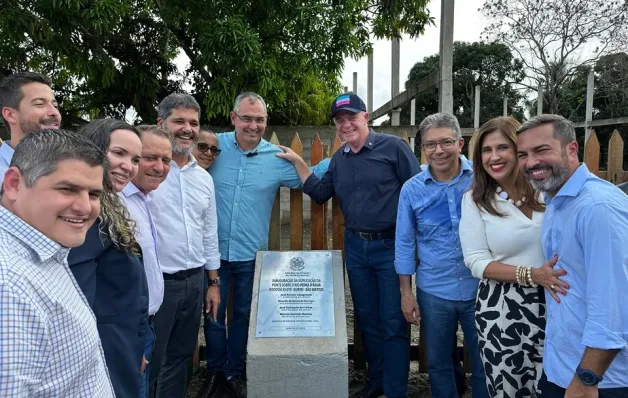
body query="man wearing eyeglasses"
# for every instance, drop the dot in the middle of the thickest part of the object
(247, 175)
(427, 223)
(366, 174)
(206, 149)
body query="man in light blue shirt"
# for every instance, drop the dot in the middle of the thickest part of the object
(27, 104)
(586, 225)
(428, 217)
(247, 175)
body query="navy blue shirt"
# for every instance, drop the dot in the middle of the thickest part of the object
(367, 183)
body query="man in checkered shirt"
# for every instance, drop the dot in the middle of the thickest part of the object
(49, 343)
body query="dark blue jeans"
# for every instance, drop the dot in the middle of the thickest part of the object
(228, 355)
(377, 307)
(439, 322)
(148, 354)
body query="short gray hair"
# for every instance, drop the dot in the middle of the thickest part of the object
(440, 120)
(176, 101)
(564, 129)
(253, 99)
(154, 130)
(38, 154)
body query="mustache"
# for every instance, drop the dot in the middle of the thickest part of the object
(49, 120)
(536, 167)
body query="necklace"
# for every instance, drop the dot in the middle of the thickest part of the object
(504, 195)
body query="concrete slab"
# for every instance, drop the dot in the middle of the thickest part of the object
(307, 367)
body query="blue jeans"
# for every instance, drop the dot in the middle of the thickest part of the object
(228, 355)
(148, 354)
(439, 323)
(377, 307)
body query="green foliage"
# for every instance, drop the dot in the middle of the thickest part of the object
(106, 56)
(490, 65)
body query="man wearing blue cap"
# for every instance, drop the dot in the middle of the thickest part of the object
(366, 174)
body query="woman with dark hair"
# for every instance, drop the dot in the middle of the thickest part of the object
(500, 233)
(107, 266)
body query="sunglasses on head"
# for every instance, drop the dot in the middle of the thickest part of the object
(203, 147)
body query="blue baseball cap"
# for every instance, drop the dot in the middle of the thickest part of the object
(347, 102)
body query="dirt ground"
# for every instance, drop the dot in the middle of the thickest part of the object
(418, 385)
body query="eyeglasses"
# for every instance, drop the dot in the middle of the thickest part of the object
(250, 119)
(203, 147)
(444, 144)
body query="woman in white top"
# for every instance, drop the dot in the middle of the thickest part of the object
(500, 233)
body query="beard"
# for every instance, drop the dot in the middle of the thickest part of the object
(29, 127)
(182, 150)
(559, 174)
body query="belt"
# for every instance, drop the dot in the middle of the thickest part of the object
(388, 234)
(186, 273)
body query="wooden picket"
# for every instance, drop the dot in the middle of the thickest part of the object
(318, 223)
(274, 232)
(615, 159)
(296, 205)
(592, 154)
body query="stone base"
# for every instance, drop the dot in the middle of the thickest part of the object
(289, 367)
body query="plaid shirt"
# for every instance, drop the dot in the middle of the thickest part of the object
(49, 344)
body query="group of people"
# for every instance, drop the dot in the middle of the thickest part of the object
(116, 240)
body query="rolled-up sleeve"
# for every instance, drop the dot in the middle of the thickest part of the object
(603, 233)
(477, 255)
(405, 234)
(210, 232)
(320, 189)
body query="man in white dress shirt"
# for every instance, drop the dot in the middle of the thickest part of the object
(27, 104)
(49, 341)
(184, 213)
(153, 170)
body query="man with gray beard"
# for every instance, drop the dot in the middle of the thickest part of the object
(184, 215)
(27, 104)
(585, 224)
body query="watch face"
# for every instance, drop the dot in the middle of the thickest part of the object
(588, 378)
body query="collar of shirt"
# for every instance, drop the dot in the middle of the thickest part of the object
(571, 188)
(232, 137)
(45, 247)
(369, 143)
(191, 163)
(131, 190)
(465, 166)
(6, 152)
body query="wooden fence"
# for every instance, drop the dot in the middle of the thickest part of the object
(612, 172)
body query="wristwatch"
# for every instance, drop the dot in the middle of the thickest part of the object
(588, 377)
(213, 282)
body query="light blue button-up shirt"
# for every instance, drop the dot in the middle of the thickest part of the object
(6, 154)
(245, 191)
(428, 218)
(586, 224)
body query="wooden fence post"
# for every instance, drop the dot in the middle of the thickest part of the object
(274, 232)
(471, 145)
(296, 204)
(615, 158)
(318, 223)
(592, 154)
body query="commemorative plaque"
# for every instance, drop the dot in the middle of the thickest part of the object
(296, 295)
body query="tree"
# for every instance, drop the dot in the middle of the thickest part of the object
(489, 65)
(556, 38)
(107, 56)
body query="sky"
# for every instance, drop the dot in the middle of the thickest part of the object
(468, 26)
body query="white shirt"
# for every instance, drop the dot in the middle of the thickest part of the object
(49, 342)
(6, 154)
(184, 213)
(138, 205)
(513, 239)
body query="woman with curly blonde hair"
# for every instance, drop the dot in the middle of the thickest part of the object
(108, 265)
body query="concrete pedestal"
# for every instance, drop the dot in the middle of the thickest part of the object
(289, 367)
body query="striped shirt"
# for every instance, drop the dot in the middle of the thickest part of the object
(49, 344)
